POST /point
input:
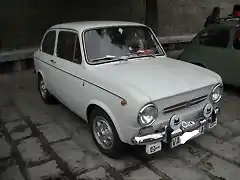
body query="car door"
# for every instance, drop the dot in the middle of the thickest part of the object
(44, 58)
(69, 82)
(232, 56)
(208, 48)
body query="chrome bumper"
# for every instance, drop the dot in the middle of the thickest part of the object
(162, 136)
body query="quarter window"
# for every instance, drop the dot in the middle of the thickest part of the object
(49, 42)
(215, 38)
(68, 46)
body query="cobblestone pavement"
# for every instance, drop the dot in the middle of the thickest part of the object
(38, 141)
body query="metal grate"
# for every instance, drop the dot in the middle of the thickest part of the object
(184, 104)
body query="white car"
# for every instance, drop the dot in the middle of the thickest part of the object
(117, 77)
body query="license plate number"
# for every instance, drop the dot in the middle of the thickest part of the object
(176, 141)
(153, 148)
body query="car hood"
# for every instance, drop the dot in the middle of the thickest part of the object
(158, 77)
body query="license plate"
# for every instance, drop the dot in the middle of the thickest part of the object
(153, 148)
(211, 125)
(176, 141)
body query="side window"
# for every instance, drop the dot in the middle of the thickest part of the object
(215, 38)
(236, 41)
(68, 47)
(49, 42)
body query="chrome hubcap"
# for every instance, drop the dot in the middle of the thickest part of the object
(103, 132)
(43, 89)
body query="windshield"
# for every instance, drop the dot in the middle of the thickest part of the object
(111, 43)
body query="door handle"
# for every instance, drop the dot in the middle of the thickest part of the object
(53, 61)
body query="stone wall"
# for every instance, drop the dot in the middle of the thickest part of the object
(176, 17)
(23, 22)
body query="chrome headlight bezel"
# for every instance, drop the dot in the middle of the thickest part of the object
(142, 111)
(216, 88)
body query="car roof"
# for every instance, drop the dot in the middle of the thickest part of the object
(84, 25)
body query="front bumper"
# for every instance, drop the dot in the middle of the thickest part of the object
(167, 135)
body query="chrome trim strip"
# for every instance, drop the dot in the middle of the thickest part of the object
(80, 78)
(151, 138)
(156, 137)
(184, 104)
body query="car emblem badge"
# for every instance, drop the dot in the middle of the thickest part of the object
(176, 121)
(207, 110)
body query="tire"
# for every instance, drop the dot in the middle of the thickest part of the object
(113, 149)
(45, 95)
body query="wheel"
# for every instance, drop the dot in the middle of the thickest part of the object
(104, 134)
(46, 96)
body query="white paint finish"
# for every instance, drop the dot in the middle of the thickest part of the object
(139, 81)
(158, 77)
(81, 26)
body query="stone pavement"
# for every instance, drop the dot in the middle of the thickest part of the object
(40, 142)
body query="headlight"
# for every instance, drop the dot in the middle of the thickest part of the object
(216, 94)
(147, 115)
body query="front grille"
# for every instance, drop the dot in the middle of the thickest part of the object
(185, 104)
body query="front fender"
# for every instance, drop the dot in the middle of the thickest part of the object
(109, 112)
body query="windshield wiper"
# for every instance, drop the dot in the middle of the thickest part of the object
(107, 57)
(123, 58)
(141, 54)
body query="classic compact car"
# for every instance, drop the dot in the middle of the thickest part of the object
(217, 47)
(117, 77)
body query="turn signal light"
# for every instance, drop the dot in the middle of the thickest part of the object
(123, 102)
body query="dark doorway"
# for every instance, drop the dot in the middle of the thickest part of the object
(151, 16)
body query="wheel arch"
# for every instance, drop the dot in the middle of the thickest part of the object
(98, 104)
(39, 73)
